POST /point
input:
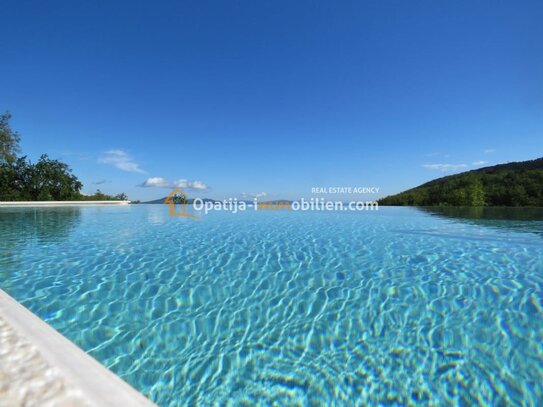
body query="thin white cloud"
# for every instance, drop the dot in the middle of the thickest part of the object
(198, 185)
(159, 182)
(184, 183)
(480, 162)
(181, 183)
(489, 150)
(445, 167)
(257, 195)
(121, 160)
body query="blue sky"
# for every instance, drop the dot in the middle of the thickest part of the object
(273, 96)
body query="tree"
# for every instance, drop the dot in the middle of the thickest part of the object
(100, 196)
(476, 194)
(47, 180)
(10, 183)
(52, 180)
(9, 141)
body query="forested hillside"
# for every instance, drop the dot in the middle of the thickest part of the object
(512, 184)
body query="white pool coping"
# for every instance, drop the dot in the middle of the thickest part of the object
(61, 203)
(95, 384)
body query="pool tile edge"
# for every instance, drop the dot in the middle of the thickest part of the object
(95, 384)
(24, 204)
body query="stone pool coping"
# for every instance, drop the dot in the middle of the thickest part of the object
(94, 384)
(61, 203)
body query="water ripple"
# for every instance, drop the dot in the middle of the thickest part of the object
(392, 308)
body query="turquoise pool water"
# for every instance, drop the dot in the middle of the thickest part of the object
(400, 306)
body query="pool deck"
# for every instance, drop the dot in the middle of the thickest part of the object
(39, 366)
(59, 203)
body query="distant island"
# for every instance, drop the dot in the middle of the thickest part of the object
(189, 201)
(511, 184)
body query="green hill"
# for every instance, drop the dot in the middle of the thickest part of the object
(511, 184)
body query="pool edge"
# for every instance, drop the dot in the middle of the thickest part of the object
(18, 204)
(97, 385)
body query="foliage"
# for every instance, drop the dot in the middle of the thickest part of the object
(46, 180)
(100, 196)
(513, 184)
(9, 141)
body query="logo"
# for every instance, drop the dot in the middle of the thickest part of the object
(179, 203)
(179, 198)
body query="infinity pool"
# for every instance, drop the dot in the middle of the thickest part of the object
(394, 307)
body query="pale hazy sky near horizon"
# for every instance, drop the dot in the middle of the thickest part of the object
(225, 98)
